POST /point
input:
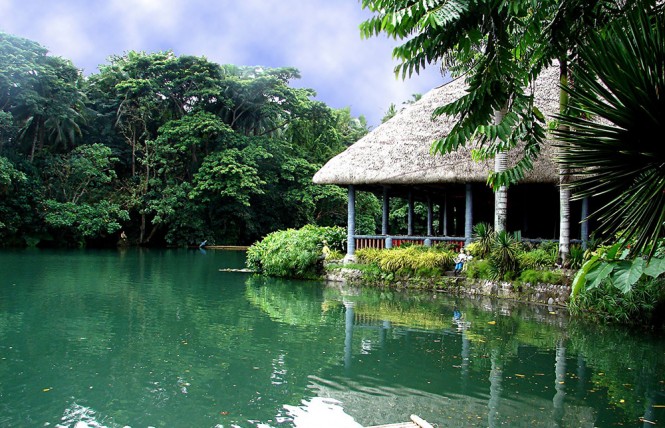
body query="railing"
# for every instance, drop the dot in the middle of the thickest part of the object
(388, 241)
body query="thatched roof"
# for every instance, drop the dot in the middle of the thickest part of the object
(398, 151)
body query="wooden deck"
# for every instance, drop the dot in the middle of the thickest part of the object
(415, 422)
(226, 247)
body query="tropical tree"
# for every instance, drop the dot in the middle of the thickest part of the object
(502, 47)
(21, 206)
(491, 42)
(42, 94)
(79, 207)
(173, 148)
(258, 101)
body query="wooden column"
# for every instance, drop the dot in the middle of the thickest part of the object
(443, 216)
(430, 217)
(584, 227)
(351, 225)
(386, 211)
(410, 216)
(468, 217)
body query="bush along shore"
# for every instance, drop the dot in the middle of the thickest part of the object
(494, 264)
(433, 269)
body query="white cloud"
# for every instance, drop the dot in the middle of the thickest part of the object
(66, 37)
(144, 24)
(321, 38)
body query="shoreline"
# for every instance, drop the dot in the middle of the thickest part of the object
(541, 293)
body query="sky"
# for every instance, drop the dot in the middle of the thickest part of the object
(321, 38)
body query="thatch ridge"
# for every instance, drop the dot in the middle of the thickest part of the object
(398, 151)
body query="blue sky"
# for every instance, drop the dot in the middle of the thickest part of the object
(319, 37)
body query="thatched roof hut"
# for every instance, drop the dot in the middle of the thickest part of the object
(395, 159)
(398, 151)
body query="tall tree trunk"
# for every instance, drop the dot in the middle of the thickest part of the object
(500, 195)
(133, 144)
(142, 228)
(564, 176)
(34, 143)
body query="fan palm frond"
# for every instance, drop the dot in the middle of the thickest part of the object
(615, 120)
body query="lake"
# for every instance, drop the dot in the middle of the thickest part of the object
(162, 338)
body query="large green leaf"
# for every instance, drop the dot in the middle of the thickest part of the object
(580, 277)
(626, 274)
(655, 268)
(599, 274)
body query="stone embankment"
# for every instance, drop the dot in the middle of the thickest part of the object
(549, 294)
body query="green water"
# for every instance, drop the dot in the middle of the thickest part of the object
(146, 338)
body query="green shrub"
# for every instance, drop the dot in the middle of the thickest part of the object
(534, 276)
(576, 256)
(537, 259)
(478, 269)
(607, 303)
(503, 256)
(530, 276)
(553, 277)
(334, 237)
(335, 255)
(551, 247)
(368, 255)
(484, 237)
(473, 248)
(294, 253)
(409, 259)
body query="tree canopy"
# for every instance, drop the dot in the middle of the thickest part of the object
(167, 149)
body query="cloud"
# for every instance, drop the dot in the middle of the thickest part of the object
(321, 38)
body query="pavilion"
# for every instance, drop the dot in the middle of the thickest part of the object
(394, 160)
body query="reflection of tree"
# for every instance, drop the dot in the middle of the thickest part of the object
(620, 358)
(415, 311)
(496, 375)
(294, 303)
(559, 383)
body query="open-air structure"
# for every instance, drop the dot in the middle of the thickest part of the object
(394, 160)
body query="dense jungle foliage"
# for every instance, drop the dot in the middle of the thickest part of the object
(161, 149)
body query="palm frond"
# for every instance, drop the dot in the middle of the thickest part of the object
(617, 112)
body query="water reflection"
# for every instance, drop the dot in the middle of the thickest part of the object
(162, 338)
(349, 318)
(522, 362)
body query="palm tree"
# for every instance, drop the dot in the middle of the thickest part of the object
(486, 41)
(609, 138)
(502, 47)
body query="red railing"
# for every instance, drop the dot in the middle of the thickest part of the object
(379, 242)
(370, 243)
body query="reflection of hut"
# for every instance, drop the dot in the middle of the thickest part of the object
(394, 160)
